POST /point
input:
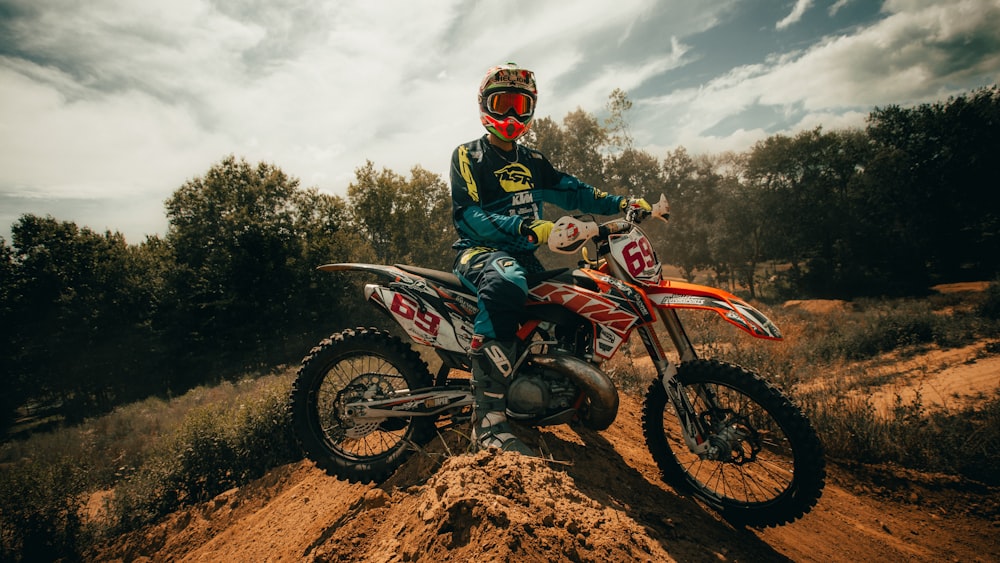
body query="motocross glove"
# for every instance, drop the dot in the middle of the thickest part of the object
(537, 231)
(635, 204)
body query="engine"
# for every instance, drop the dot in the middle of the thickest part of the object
(539, 394)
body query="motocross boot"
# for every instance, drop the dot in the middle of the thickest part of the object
(492, 367)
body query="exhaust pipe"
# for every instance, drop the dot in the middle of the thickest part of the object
(596, 385)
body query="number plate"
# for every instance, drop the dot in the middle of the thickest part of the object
(635, 255)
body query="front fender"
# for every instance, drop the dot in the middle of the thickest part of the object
(672, 294)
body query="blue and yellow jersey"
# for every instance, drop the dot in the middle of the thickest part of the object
(493, 192)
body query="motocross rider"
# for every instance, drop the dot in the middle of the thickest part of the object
(497, 191)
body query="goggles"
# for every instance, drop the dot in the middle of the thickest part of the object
(502, 103)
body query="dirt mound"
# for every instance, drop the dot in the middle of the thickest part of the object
(603, 502)
(491, 506)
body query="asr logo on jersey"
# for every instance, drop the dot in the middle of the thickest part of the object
(515, 178)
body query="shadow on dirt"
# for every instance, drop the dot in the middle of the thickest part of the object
(687, 530)
(684, 528)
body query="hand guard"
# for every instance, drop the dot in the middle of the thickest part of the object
(538, 231)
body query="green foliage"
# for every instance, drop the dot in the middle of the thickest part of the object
(408, 221)
(962, 442)
(990, 307)
(241, 238)
(85, 292)
(217, 446)
(155, 455)
(619, 136)
(892, 325)
(931, 164)
(693, 187)
(40, 511)
(576, 147)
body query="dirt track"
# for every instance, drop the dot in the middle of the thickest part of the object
(605, 504)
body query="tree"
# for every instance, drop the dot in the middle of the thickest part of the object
(240, 237)
(11, 377)
(692, 187)
(635, 173)
(73, 295)
(619, 136)
(629, 171)
(576, 148)
(407, 221)
(805, 186)
(934, 162)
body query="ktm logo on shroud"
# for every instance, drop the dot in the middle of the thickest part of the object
(596, 309)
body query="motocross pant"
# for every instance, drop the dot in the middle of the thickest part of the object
(499, 279)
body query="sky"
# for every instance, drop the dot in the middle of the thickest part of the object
(109, 106)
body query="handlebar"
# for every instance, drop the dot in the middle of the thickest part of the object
(614, 226)
(570, 233)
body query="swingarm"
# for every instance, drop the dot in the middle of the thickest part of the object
(430, 401)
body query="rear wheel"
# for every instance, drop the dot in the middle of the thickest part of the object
(351, 366)
(766, 466)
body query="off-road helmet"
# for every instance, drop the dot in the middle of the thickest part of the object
(507, 101)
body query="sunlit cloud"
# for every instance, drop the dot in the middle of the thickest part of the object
(121, 101)
(797, 11)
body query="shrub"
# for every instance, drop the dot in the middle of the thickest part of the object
(40, 511)
(966, 442)
(892, 325)
(156, 455)
(217, 447)
(990, 307)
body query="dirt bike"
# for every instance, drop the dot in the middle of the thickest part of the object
(364, 400)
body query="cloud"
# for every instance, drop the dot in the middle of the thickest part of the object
(50, 141)
(919, 52)
(797, 11)
(837, 6)
(121, 100)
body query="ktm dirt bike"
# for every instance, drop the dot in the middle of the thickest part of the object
(364, 400)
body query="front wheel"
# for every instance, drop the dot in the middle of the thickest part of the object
(352, 366)
(765, 466)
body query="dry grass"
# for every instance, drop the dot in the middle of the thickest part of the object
(147, 458)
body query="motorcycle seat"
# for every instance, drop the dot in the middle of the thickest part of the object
(451, 281)
(447, 279)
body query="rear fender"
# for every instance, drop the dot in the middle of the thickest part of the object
(391, 272)
(672, 294)
(428, 314)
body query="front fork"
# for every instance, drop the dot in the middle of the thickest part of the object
(694, 430)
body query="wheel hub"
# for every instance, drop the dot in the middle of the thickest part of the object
(366, 387)
(736, 442)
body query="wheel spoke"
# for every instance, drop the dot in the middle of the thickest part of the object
(762, 463)
(758, 467)
(359, 378)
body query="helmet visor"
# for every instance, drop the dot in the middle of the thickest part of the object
(502, 103)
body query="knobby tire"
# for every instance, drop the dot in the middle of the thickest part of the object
(774, 476)
(351, 365)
